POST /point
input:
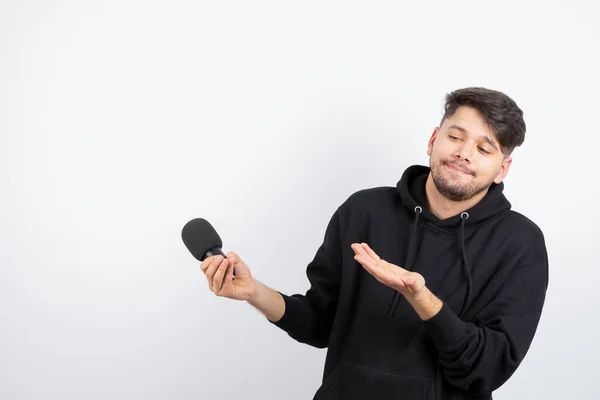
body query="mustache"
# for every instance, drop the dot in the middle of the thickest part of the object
(460, 166)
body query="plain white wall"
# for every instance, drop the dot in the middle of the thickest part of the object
(120, 121)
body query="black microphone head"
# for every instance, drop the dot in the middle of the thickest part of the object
(200, 237)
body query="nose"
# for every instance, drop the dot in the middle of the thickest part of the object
(464, 153)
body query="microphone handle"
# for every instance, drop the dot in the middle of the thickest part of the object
(215, 251)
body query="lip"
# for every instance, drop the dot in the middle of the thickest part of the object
(452, 167)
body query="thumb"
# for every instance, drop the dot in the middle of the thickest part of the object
(416, 283)
(241, 269)
(233, 257)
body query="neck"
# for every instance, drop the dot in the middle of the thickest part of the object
(444, 208)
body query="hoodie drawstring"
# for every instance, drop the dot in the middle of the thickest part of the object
(463, 218)
(409, 258)
(465, 261)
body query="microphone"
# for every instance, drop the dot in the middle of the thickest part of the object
(201, 239)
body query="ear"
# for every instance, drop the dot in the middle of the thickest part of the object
(503, 170)
(431, 140)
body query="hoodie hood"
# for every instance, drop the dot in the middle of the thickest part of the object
(411, 188)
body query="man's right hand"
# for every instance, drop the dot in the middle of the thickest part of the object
(219, 274)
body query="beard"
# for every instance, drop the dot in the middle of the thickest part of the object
(454, 189)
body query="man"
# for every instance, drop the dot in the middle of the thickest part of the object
(432, 289)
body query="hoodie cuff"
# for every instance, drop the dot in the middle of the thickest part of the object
(289, 321)
(445, 328)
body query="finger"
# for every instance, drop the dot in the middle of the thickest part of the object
(377, 271)
(219, 274)
(206, 263)
(229, 276)
(370, 252)
(214, 264)
(368, 264)
(228, 280)
(212, 268)
(358, 249)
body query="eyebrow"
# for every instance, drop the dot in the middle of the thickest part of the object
(484, 137)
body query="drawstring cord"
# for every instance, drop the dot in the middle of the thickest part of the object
(463, 218)
(409, 258)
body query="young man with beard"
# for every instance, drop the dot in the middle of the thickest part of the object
(432, 289)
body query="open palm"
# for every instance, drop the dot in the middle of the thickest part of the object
(408, 283)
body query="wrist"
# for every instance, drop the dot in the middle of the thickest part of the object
(254, 294)
(424, 295)
(425, 303)
(268, 301)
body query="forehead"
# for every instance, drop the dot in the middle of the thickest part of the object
(470, 121)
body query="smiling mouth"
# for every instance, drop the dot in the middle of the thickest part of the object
(452, 167)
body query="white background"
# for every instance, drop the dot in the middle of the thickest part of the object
(121, 121)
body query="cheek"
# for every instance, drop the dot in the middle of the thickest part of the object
(489, 169)
(447, 150)
(438, 151)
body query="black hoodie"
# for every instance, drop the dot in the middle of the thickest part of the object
(488, 265)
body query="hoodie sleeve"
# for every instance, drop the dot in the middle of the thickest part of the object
(308, 317)
(479, 357)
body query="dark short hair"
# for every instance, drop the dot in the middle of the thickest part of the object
(501, 113)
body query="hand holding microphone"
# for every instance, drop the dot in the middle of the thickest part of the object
(227, 275)
(219, 274)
